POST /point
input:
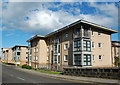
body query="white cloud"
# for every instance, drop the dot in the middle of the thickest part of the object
(45, 20)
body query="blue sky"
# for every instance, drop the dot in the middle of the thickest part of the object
(22, 20)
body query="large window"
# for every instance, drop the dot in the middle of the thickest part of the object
(77, 31)
(66, 36)
(77, 45)
(77, 59)
(85, 32)
(87, 60)
(55, 48)
(86, 45)
(55, 59)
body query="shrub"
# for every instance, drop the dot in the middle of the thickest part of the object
(26, 66)
(9, 63)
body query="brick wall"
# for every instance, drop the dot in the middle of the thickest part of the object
(101, 72)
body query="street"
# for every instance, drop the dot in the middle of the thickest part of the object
(12, 76)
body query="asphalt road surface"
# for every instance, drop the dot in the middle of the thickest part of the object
(12, 76)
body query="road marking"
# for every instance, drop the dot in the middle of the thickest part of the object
(20, 78)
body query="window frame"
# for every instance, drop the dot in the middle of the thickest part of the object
(77, 58)
(77, 45)
(100, 45)
(86, 61)
(93, 44)
(65, 57)
(85, 45)
(92, 32)
(100, 56)
(66, 48)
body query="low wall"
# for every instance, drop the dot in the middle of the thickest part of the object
(101, 72)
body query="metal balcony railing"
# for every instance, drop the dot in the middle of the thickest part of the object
(87, 35)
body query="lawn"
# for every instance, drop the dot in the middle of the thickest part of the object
(51, 72)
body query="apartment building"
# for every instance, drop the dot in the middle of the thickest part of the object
(20, 54)
(115, 50)
(7, 55)
(82, 43)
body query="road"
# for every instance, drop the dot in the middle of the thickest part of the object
(11, 75)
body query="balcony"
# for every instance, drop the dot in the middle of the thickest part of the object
(77, 35)
(87, 35)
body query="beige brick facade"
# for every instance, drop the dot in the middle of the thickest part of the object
(82, 44)
(17, 55)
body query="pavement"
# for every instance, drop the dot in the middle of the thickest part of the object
(38, 77)
(86, 79)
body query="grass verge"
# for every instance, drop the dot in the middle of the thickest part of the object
(9, 63)
(50, 72)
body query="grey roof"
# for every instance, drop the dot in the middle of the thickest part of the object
(86, 22)
(73, 24)
(19, 46)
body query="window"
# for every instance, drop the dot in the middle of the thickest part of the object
(92, 32)
(86, 45)
(55, 59)
(26, 52)
(18, 53)
(66, 58)
(19, 48)
(99, 33)
(35, 49)
(77, 31)
(87, 60)
(86, 32)
(58, 48)
(55, 48)
(93, 57)
(65, 46)
(77, 59)
(66, 35)
(93, 44)
(26, 57)
(99, 45)
(58, 59)
(100, 57)
(77, 45)
(57, 40)
(36, 58)
(30, 57)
